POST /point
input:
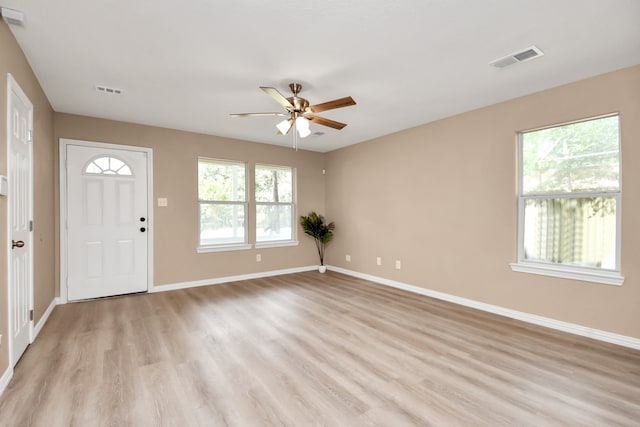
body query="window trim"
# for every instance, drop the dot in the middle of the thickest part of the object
(586, 274)
(294, 229)
(222, 247)
(583, 273)
(276, 244)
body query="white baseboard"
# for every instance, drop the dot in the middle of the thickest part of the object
(5, 378)
(572, 328)
(44, 318)
(8, 374)
(227, 279)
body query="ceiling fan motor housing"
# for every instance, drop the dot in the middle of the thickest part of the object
(300, 105)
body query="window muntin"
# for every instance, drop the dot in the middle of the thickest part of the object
(222, 202)
(108, 166)
(570, 195)
(275, 209)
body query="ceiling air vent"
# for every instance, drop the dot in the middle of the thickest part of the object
(514, 58)
(105, 89)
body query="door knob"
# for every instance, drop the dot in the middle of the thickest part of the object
(142, 219)
(143, 229)
(17, 244)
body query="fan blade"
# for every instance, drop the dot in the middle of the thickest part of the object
(258, 114)
(336, 103)
(326, 122)
(273, 92)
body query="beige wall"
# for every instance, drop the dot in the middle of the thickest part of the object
(175, 155)
(12, 61)
(442, 198)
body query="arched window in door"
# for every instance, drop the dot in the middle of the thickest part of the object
(108, 166)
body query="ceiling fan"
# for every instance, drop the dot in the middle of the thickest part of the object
(300, 113)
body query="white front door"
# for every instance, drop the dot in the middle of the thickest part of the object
(20, 213)
(107, 223)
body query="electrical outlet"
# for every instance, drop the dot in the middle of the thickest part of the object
(347, 258)
(258, 258)
(398, 265)
(379, 261)
(163, 202)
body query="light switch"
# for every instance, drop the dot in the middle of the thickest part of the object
(163, 202)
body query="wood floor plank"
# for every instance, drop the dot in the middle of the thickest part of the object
(312, 350)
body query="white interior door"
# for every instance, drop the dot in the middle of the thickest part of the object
(20, 117)
(107, 222)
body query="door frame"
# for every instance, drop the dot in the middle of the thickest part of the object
(14, 87)
(63, 143)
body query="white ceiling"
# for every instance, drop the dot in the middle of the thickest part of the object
(189, 64)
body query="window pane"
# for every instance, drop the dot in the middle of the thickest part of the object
(221, 180)
(274, 184)
(115, 164)
(572, 158)
(93, 168)
(273, 222)
(577, 231)
(220, 224)
(102, 162)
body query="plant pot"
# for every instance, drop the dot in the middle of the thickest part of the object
(322, 268)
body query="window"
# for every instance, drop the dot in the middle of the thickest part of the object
(222, 200)
(569, 201)
(274, 204)
(108, 166)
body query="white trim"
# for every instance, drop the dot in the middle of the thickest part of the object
(45, 317)
(276, 244)
(223, 248)
(63, 142)
(227, 279)
(5, 379)
(605, 276)
(571, 328)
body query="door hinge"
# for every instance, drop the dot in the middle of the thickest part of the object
(30, 136)
(31, 315)
(30, 225)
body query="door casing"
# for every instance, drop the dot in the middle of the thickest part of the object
(63, 207)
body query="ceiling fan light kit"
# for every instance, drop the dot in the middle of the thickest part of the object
(300, 112)
(284, 126)
(302, 126)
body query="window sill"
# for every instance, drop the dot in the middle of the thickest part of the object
(223, 248)
(276, 244)
(605, 277)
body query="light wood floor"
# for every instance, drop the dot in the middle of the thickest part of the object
(312, 350)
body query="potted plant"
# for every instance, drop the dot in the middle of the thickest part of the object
(315, 226)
